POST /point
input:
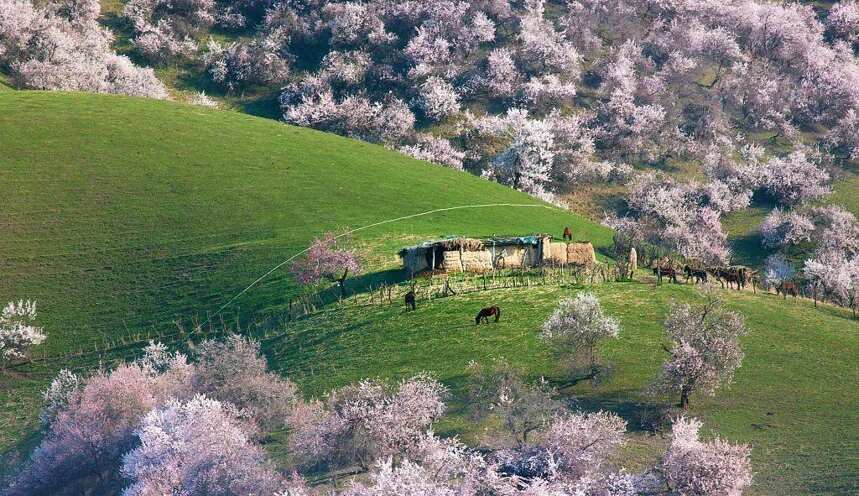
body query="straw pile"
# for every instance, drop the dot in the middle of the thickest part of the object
(633, 260)
(555, 253)
(581, 254)
(476, 261)
(464, 244)
(452, 261)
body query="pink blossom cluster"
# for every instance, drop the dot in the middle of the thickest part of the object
(59, 45)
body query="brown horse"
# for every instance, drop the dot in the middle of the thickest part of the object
(730, 275)
(669, 272)
(700, 275)
(410, 300)
(487, 312)
(787, 288)
(568, 234)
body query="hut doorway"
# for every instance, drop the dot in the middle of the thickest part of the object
(435, 257)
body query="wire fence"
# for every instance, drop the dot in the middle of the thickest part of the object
(425, 287)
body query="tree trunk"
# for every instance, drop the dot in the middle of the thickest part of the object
(684, 398)
(342, 283)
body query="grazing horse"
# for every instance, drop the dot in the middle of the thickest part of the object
(568, 234)
(787, 288)
(487, 312)
(410, 300)
(700, 275)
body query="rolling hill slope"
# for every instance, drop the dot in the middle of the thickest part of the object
(119, 214)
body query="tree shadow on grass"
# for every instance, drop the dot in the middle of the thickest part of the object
(638, 412)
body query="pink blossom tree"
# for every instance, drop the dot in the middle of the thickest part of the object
(197, 447)
(692, 467)
(705, 348)
(843, 20)
(366, 422)
(582, 444)
(234, 371)
(780, 229)
(325, 261)
(837, 275)
(433, 149)
(85, 441)
(62, 47)
(795, 178)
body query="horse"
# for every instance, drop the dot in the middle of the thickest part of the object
(568, 234)
(410, 300)
(730, 275)
(787, 287)
(700, 275)
(665, 271)
(487, 312)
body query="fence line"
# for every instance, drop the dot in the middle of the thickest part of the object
(304, 307)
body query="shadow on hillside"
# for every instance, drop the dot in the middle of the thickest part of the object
(747, 250)
(638, 414)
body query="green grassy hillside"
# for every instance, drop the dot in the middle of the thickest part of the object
(793, 399)
(120, 214)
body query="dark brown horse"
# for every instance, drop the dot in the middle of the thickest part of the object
(668, 272)
(787, 288)
(700, 275)
(568, 234)
(730, 275)
(410, 300)
(487, 312)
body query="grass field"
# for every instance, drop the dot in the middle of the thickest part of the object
(793, 400)
(122, 214)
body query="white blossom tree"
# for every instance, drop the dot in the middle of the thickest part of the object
(18, 331)
(578, 325)
(777, 270)
(438, 98)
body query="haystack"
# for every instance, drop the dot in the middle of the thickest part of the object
(452, 261)
(581, 254)
(555, 253)
(476, 261)
(633, 260)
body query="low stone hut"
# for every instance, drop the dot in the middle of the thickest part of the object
(460, 254)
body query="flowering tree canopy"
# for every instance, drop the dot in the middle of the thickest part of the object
(18, 331)
(324, 261)
(578, 325)
(705, 348)
(196, 447)
(692, 467)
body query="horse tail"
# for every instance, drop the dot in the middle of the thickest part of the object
(497, 313)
